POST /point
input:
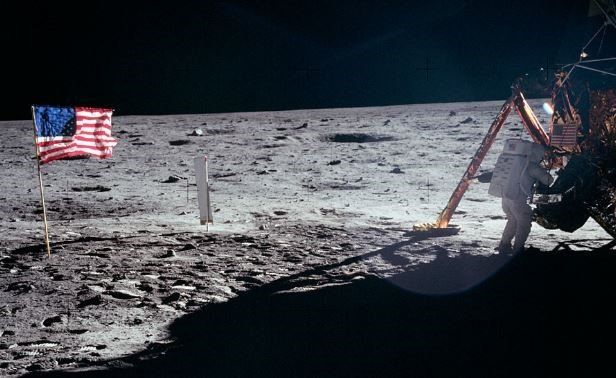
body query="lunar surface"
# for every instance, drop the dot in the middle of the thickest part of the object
(310, 267)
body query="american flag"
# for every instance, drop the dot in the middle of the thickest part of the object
(68, 132)
(564, 135)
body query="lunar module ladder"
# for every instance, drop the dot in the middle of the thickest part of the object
(532, 126)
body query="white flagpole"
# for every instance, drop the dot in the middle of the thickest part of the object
(38, 161)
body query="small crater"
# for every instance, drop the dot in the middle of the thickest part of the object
(97, 188)
(179, 142)
(357, 138)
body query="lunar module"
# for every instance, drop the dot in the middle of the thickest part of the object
(586, 182)
(580, 140)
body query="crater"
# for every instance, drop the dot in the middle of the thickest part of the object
(357, 138)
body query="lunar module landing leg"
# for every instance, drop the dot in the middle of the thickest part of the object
(586, 184)
(515, 101)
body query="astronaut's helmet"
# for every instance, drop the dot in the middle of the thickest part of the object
(536, 153)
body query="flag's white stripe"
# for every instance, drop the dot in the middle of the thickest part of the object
(97, 143)
(105, 141)
(82, 130)
(88, 129)
(94, 151)
(106, 122)
(86, 113)
(94, 127)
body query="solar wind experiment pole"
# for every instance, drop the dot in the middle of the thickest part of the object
(203, 188)
(62, 132)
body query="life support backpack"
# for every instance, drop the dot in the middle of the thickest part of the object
(509, 167)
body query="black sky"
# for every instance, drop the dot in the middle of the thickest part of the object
(166, 57)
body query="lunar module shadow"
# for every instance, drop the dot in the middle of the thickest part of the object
(539, 314)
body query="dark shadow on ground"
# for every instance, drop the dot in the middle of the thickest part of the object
(538, 314)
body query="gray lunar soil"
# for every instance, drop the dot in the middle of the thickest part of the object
(306, 200)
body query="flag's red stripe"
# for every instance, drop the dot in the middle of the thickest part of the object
(105, 116)
(60, 157)
(74, 154)
(94, 124)
(79, 109)
(94, 148)
(101, 137)
(94, 143)
(52, 142)
(105, 133)
(52, 150)
(102, 153)
(95, 133)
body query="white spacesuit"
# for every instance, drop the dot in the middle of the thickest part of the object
(515, 174)
(519, 213)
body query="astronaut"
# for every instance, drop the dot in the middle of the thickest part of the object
(515, 194)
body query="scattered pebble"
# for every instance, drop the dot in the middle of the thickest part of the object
(167, 254)
(196, 132)
(172, 179)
